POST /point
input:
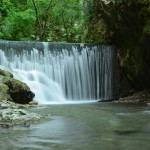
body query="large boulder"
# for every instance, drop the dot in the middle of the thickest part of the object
(14, 90)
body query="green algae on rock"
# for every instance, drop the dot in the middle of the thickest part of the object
(14, 90)
(6, 73)
(4, 92)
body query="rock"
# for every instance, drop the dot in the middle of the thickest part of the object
(7, 104)
(4, 92)
(142, 97)
(5, 124)
(126, 132)
(33, 103)
(11, 117)
(148, 104)
(6, 73)
(125, 124)
(13, 114)
(15, 90)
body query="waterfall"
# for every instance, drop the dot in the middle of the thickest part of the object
(61, 72)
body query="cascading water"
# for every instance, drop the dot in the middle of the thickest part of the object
(82, 72)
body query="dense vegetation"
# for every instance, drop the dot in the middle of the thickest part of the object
(42, 20)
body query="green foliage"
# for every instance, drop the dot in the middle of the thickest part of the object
(19, 25)
(67, 24)
(48, 20)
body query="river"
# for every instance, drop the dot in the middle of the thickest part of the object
(90, 126)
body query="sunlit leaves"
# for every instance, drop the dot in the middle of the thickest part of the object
(19, 25)
(63, 21)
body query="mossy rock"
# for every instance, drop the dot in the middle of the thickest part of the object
(6, 73)
(146, 29)
(4, 92)
(18, 91)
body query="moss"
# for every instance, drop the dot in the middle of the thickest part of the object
(146, 29)
(6, 73)
(127, 26)
(19, 92)
(4, 92)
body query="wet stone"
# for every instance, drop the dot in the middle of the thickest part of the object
(12, 114)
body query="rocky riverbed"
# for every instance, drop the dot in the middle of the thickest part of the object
(136, 97)
(12, 114)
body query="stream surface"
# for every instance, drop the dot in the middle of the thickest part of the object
(91, 126)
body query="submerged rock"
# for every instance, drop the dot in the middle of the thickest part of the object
(14, 90)
(124, 123)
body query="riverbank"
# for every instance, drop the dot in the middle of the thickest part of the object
(136, 97)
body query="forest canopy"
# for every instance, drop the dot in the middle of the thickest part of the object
(42, 20)
(90, 21)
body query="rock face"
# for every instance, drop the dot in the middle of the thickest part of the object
(130, 32)
(14, 90)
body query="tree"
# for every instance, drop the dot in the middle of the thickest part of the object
(42, 19)
(17, 20)
(54, 23)
(68, 24)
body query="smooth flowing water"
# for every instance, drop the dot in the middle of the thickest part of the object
(92, 126)
(56, 73)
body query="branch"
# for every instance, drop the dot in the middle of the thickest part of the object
(37, 17)
(47, 15)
